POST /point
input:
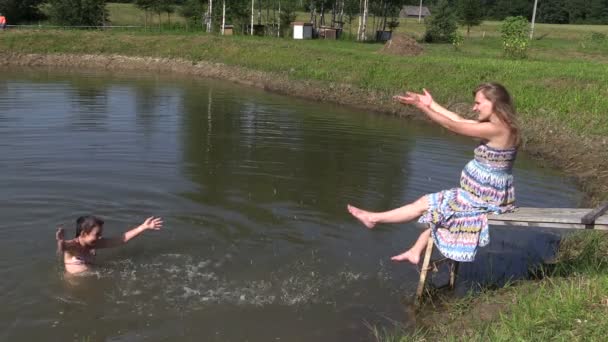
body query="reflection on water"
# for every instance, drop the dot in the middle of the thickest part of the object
(253, 187)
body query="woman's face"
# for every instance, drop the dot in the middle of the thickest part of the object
(483, 107)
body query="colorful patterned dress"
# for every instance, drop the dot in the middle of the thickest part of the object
(458, 217)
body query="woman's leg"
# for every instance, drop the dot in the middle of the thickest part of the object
(402, 214)
(413, 254)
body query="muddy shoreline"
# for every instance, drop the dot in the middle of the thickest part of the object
(584, 158)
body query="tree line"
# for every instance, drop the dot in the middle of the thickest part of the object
(93, 12)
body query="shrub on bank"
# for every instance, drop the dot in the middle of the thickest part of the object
(514, 32)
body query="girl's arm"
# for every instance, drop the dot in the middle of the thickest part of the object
(154, 223)
(60, 238)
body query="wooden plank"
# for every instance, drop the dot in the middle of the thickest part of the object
(556, 215)
(550, 218)
(593, 215)
(497, 222)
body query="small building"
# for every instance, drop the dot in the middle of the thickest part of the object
(228, 30)
(383, 36)
(259, 29)
(326, 32)
(414, 12)
(302, 30)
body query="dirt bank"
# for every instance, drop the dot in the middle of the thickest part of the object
(583, 158)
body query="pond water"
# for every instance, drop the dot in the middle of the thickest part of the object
(257, 244)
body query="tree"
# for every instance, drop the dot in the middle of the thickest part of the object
(553, 12)
(362, 34)
(78, 12)
(351, 9)
(598, 10)
(193, 11)
(507, 8)
(287, 15)
(440, 27)
(18, 11)
(470, 13)
(169, 8)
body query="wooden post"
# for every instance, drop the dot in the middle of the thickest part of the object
(533, 19)
(453, 273)
(590, 217)
(424, 271)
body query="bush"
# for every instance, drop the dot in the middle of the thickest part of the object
(514, 32)
(192, 10)
(78, 12)
(594, 41)
(457, 40)
(596, 36)
(442, 24)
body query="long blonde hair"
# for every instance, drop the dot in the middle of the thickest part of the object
(502, 105)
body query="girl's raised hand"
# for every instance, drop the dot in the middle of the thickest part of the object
(59, 234)
(152, 222)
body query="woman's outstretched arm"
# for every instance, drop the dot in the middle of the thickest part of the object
(449, 114)
(426, 97)
(483, 130)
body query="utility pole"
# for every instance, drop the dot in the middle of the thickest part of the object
(420, 12)
(533, 19)
(252, 17)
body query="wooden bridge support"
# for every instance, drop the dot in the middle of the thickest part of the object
(529, 217)
(429, 265)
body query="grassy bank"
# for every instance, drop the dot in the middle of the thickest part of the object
(564, 85)
(570, 304)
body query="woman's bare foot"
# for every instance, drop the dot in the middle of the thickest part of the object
(410, 256)
(362, 215)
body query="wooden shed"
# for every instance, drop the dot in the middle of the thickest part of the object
(228, 30)
(302, 30)
(414, 12)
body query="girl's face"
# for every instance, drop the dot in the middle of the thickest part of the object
(483, 107)
(91, 237)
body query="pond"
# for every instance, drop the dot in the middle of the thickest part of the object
(257, 243)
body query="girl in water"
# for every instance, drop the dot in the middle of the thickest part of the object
(79, 253)
(457, 217)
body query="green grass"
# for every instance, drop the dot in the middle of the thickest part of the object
(569, 304)
(560, 81)
(128, 14)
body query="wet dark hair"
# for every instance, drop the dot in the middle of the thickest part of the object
(87, 223)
